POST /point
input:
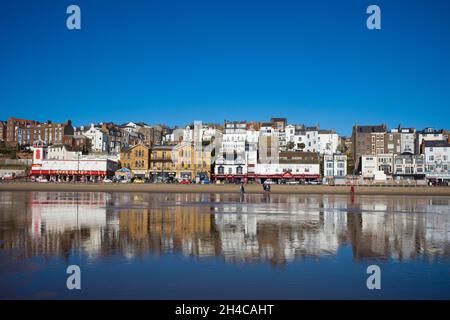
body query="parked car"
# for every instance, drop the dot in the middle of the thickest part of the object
(44, 180)
(106, 180)
(125, 181)
(185, 181)
(8, 177)
(138, 180)
(293, 182)
(206, 181)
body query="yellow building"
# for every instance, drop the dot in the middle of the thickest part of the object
(192, 162)
(137, 159)
(162, 168)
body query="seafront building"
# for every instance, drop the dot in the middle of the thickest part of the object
(335, 166)
(162, 168)
(137, 159)
(367, 140)
(70, 167)
(409, 166)
(248, 151)
(437, 158)
(25, 132)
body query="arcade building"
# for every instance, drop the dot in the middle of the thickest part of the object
(71, 167)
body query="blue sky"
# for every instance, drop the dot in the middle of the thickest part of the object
(179, 61)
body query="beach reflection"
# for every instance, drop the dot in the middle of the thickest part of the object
(249, 228)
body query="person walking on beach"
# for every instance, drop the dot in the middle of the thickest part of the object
(266, 186)
(242, 187)
(352, 189)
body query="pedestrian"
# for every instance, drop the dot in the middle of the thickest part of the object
(242, 188)
(352, 189)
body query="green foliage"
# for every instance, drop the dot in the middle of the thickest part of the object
(350, 165)
(290, 145)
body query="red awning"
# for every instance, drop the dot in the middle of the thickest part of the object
(68, 172)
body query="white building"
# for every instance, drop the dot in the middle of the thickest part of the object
(376, 167)
(327, 142)
(209, 133)
(99, 139)
(428, 134)
(408, 140)
(288, 170)
(437, 160)
(231, 161)
(188, 133)
(335, 165)
(132, 126)
(251, 150)
(409, 166)
(168, 137)
(62, 152)
(84, 168)
(290, 165)
(234, 137)
(303, 138)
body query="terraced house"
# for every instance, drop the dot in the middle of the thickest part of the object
(162, 167)
(26, 132)
(192, 162)
(137, 159)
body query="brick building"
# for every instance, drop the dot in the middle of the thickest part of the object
(367, 140)
(26, 132)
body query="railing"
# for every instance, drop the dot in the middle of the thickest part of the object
(22, 162)
(388, 183)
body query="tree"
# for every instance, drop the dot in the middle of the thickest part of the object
(290, 145)
(301, 146)
(350, 165)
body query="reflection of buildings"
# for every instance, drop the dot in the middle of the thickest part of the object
(81, 216)
(275, 228)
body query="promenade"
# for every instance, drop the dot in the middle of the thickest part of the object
(227, 188)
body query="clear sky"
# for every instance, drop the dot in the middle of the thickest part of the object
(174, 62)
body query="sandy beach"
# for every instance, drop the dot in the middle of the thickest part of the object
(176, 188)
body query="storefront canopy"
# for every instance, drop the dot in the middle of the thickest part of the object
(123, 173)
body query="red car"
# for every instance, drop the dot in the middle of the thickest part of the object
(185, 181)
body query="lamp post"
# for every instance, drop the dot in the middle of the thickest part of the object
(78, 165)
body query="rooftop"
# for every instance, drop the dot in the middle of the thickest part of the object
(437, 144)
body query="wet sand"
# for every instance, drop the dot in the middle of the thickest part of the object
(176, 188)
